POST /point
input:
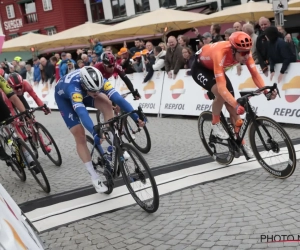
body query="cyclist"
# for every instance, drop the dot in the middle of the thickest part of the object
(208, 71)
(3, 74)
(73, 93)
(108, 67)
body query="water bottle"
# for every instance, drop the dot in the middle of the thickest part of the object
(9, 142)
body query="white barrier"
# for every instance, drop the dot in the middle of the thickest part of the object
(182, 96)
(15, 232)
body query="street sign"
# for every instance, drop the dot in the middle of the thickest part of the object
(280, 5)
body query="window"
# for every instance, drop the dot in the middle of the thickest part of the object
(13, 35)
(97, 10)
(10, 11)
(167, 3)
(194, 1)
(118, 8)
(227, 3)
(47, 5)
(141, 6)
(50, 31)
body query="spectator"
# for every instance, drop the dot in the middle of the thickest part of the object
(184, 41)
(163, 46)
(189, 58)
(249, 29)
(49, 70)
(293, 42)
(16, 66)
(79, 53)
(149, 47)
(125, 61)
(55, 63)
(279, 52)
(98, 48)
(137, 62)
(37, 76)
(80, 64)
(71, 66)
(90, 54)
(85, 59)
(108, 49)
(262, 45)
(69, 56)
(29, 74)
(138, 46)
(5, 67)
(174, 60)
(237, 26)
(160, 56)
(215, 31)
(43, 76)
(95, 58)
(207, 38)
(58, 57)
(228, 33)
(22, 69)
(149, 61)
(63, 67)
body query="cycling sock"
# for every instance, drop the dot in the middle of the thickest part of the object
(90, 168)
(215, 119)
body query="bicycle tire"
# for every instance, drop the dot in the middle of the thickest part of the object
(289, 170)
(47, 187)
(129, 148)
(128, 136)
(15, 166)
(91, 141)
(57, 162)
(207, 116)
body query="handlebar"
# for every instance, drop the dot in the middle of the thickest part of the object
(242, 100)
(27, 112)
(134, 93)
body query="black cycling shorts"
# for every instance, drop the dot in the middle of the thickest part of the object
(23, 100)
(4, 110)
(206, 77)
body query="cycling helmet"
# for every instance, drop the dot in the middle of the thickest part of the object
(108, 59)
(240, 41)
(91, 78)
(2, 73)
(18, 59)
(15, 80)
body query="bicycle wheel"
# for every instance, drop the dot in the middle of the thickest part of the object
(98, 163)
(282, 147)
(219, 149)
(41, 130)
(23, 148)
(139, 176)
(13, 163)
(138, 136)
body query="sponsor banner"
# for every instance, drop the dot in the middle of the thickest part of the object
(150, 92)
(183, 96)
(15, 232)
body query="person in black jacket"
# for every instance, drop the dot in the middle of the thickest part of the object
(278, 52)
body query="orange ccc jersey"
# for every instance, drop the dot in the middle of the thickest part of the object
(217, 56)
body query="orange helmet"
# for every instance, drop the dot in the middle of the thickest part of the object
(240, 41)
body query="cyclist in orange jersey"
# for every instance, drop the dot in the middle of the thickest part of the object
(208, 71)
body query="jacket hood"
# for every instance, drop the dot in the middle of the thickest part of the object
(162, 53)
(272, 33)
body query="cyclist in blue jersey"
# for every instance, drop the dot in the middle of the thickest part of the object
(73, 93)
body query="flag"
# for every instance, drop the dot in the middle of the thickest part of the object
(1, 41)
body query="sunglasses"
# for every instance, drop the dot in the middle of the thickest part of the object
(19, 87)
(244, 53)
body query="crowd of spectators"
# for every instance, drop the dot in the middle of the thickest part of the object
(271, 45)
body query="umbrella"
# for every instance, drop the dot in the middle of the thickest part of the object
(250, 11)
(294, 3)
(80, 34)
(24, 43)
(154, 22)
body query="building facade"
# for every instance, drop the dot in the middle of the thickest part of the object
(47, 17)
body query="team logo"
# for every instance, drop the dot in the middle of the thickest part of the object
(177, 89)
(77, 97)
(107, 86)
(202, 79)
(149, 89)
(292, 89)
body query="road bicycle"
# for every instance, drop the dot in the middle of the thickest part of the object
(138, 136)
(39, 137)
(134, 174)
(258, 125)
(19, 152)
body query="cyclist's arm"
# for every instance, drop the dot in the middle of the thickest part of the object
(221, 81)
(259, 82)
(31, 92)
(126, 80)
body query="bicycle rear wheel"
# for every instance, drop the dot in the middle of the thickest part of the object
(139, 176)
(281, 146)
(43, 181)
(45, 145)
(219, 149)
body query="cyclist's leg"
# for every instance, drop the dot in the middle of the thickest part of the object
(4, 114)
(23, 100)
(73, 123)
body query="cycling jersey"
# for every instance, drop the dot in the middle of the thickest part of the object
(6, 88)
(218, 56)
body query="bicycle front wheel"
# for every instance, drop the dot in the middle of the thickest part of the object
(218, 149)
(273, 147)
(46, 141)
(34, 166)
(139, 179)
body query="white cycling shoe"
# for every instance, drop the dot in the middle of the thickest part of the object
(219, 131)
(99, 185)
(126, 155)
(248, 151)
